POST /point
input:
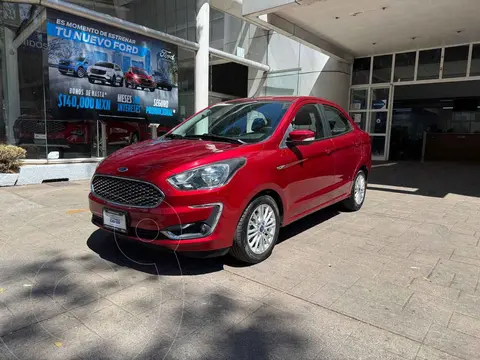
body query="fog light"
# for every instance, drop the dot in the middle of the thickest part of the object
(204, 229)
(187, 231)
(196, 230)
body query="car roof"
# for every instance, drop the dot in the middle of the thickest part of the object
(284, 98)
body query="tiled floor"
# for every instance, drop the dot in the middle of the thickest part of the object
(397, 280)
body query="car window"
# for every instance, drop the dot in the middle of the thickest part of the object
(308, 118)
(339, 124)
(248, 121)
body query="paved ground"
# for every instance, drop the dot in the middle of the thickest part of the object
(397, 280)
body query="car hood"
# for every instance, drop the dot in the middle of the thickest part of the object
(100, 68)
(142, 76)
(162, 155)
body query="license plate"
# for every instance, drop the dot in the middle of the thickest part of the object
(115, 220)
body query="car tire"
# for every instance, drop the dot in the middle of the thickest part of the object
(357, 194)
(255, 250)
(152, 89)
(121, 82)
(169, 88)
(81, 72)
(114, 81)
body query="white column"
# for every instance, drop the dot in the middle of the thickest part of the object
(202, 56)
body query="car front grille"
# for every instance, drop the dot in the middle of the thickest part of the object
(126, 192)
(98, 72)
(63, 62)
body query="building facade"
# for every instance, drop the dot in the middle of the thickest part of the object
(81, 78)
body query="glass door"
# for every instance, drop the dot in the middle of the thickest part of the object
(359, 98)
(370, 108)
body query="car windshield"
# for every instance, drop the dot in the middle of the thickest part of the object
(79, 59)
(139, 71)
(244, 122)
(105, 65)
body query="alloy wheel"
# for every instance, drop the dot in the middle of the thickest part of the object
(261, 229)
(360, 188)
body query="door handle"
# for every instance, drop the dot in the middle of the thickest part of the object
(328, 151)
(357, 143)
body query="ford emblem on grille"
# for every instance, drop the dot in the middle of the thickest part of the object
(122, 169)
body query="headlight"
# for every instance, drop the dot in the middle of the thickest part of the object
(208, 176)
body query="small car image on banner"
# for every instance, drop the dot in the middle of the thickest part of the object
(105, 72)
(98, 70)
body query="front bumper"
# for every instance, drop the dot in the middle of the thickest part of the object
(143, 84)
(67, 69)
(161, 225)
(99, 77)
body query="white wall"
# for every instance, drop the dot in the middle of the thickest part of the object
(297, 70)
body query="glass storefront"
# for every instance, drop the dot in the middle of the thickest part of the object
(430, 65)
(370, 110)
(381, 101)
(449, 111)
(74, 88)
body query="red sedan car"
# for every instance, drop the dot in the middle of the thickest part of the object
(231, 176)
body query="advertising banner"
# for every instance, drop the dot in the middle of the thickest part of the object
(98, 71)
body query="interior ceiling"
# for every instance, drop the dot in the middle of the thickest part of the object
(368, 27)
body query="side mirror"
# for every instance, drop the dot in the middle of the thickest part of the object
(297, 137)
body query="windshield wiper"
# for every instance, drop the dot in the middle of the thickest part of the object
(215, 138)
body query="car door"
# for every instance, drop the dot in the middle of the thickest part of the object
(346, 148)
(307, 169)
